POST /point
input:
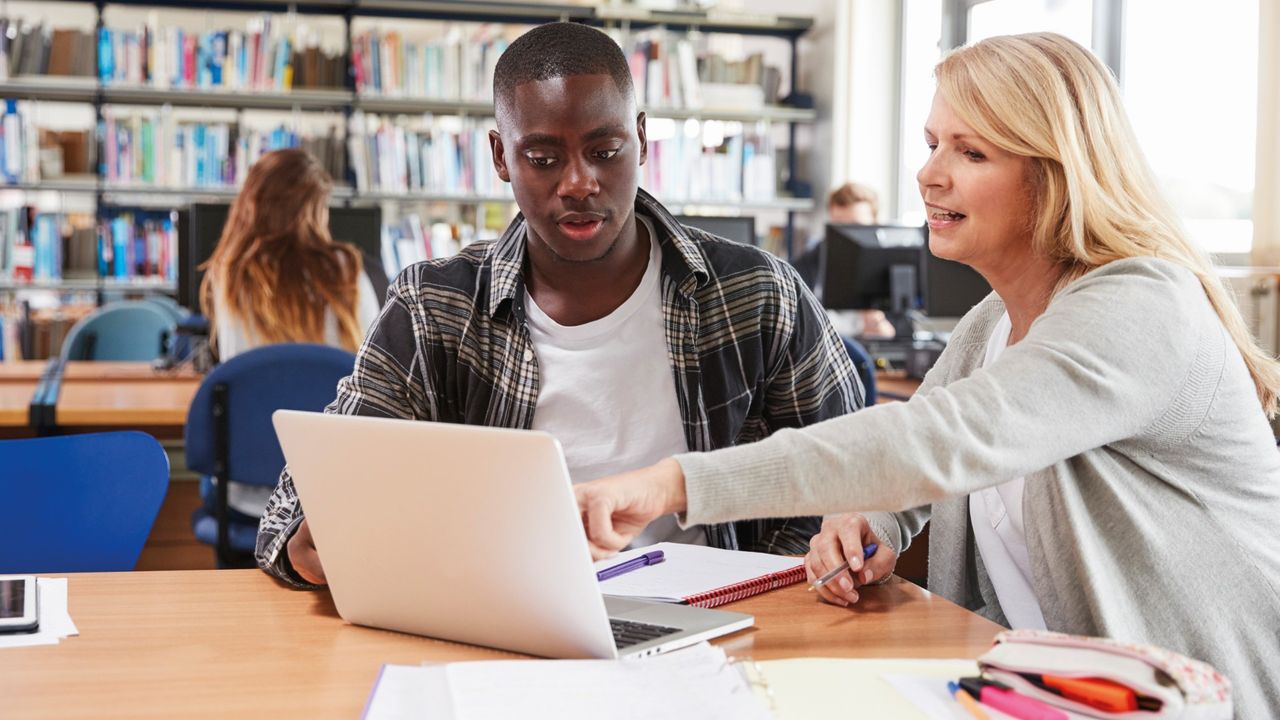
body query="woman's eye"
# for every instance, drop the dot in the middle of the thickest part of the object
(974, 155)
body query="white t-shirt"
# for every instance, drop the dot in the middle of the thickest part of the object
(996, 514)
(235, 336)
(607, 392)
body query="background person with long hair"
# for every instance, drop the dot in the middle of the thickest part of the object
(1092, 447)
(277, 276)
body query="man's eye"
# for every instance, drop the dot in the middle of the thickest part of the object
(541, 161)
(606, 154)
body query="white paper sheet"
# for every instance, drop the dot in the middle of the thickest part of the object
(55, 621)
(697, 683)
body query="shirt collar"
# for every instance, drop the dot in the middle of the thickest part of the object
(682, 260)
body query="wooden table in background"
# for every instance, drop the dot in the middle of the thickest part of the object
(234, 643)
(18, 380)
(125, 395)
(897, 383)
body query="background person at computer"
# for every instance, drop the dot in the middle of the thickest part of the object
(1092, 447)
(853, 204)
(276, 276)
(596, 317)
(856, 204)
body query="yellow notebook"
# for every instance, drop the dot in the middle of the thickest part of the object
(864, 688)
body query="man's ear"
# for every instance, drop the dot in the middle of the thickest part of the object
(499, 155)
(644, 142)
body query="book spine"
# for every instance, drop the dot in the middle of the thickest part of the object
(746, 589)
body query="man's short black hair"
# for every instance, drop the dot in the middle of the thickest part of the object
(556, 50)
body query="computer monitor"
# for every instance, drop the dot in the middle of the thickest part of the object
(871, 267)
(200, 228)
(741, 228)
(951, 289)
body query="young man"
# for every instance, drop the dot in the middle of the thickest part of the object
(595, 317)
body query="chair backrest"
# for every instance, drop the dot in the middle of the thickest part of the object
(866, 368)
(79, 503)
(169, 305)
(257, 383)
(128, 330)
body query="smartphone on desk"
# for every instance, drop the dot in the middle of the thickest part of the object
(19, 609)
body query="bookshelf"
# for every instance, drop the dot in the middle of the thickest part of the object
(138, 88)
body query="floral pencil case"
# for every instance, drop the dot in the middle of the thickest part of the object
(1102, 678)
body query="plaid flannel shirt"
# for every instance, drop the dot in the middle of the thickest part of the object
(752, 352)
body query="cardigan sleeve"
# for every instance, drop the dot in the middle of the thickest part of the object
(1105, 361)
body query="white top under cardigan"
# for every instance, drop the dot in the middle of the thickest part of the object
(996, 514)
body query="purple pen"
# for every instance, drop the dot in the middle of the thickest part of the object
(652, 557)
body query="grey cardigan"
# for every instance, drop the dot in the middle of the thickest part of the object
(1152, 498)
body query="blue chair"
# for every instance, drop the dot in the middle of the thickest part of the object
(169, 305)
(79, 503)
(865, 366)
(127, 330)
(229, 434)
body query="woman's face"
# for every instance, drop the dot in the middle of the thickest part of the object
(977, 196)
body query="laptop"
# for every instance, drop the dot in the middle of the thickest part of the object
(470, 534)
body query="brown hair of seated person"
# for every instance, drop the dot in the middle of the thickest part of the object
(853, 203)
(276, 265)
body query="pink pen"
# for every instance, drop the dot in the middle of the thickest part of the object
(1009, 702)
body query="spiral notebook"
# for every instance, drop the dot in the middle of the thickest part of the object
(701, 576)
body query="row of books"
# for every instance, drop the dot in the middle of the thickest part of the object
(138, 244)
(457, 66)
(19, 148)
(152, 147)
(711, 165)
(34, 49)
(448, 156)
(266, 56)
(30, 245)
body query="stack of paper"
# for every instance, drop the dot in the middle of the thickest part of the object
(696, 683)
(55, 622)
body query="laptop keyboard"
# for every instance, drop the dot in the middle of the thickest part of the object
(627, 633)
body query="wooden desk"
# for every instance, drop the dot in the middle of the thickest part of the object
(895, 382)
(124, 395)
(91, 371)
(20, 370)
(18, 380)
(232, 643)
(15, 403)
(125, 403)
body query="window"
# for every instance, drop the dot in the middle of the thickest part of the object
(1189, 74)
(1191, 92)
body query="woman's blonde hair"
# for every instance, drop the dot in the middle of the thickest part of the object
(1046, 98)
(276, 265)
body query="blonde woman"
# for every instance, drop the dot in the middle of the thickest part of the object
(277, 276)
(1093, 446)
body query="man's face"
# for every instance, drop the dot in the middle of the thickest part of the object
(571, 148)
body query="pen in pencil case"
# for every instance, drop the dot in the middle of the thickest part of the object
(867, 552)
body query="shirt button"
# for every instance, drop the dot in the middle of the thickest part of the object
(528, 355)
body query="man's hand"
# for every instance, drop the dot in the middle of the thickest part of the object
(842, 538)
(615, 509)
(303, 555)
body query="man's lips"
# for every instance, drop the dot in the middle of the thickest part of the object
(580, 226)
